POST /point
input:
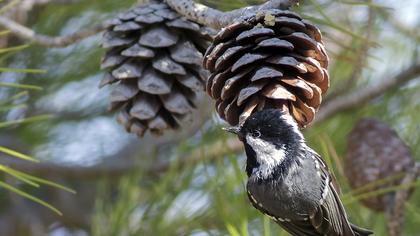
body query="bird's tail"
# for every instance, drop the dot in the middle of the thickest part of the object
(360, 231)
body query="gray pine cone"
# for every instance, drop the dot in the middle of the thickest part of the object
(374, 153)
(153, 61)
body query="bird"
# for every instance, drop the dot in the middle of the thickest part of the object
(288, 181)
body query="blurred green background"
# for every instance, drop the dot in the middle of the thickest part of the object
(190, 183)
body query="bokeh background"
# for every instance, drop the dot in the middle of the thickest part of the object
(190, 182)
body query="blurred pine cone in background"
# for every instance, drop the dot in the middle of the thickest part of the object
(271, 60)
(154, 58)
(375, 152)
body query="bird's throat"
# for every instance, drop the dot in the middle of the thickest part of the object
(267, 157)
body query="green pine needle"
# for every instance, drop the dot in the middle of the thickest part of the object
(21, 86)
(13, 153)
(28, 196)
(45, 182)
(25, 120)
(22, 70)
(232, 230)
(17, 175)
(13, 49)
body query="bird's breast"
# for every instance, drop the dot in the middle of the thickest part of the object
(287, 196)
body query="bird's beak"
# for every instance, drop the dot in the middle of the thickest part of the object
(233, 129)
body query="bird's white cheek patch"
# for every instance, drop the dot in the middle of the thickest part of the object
(268, 156)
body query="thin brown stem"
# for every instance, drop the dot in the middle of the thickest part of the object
(396, 213)
(48, 41)
(360, 58)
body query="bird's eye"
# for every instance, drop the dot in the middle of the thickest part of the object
(256, 134)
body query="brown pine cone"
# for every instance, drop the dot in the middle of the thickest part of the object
(374, 153)
(271, 60)
(154, 59)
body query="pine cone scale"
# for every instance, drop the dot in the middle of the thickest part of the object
(111, 60)
(158, 38)
(138, 51)
(232, 112)
(247, 92)
(191, 81)
(106, 80)
(229, 32)
(124, 91)
(127, 16)
(232, 85)
(252, 34)
(129, 26)
(246, 60)
(153, 83)
(275, 43)
(166, 65)
(216, 52)
(277, 91)
(229, 55)
(128, 70)
(218, 83)
(298, 86)
(266, 72)
(186, 53)
(145, 107)
(112, 41)
(176, 103)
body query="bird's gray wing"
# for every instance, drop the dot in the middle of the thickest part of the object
(295, 228)
(330, 218)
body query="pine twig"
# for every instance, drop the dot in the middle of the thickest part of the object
(360, 58)
(48, 41)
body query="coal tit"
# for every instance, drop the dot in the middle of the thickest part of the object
(288, 181)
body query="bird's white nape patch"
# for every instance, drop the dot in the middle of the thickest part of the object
(290, 121)
(268, 156)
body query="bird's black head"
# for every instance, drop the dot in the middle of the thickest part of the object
(270, 125)
(271, 139)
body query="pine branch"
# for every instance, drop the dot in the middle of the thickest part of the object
(193, 11)
(121, 168)
(360, 96)
(217, 19)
